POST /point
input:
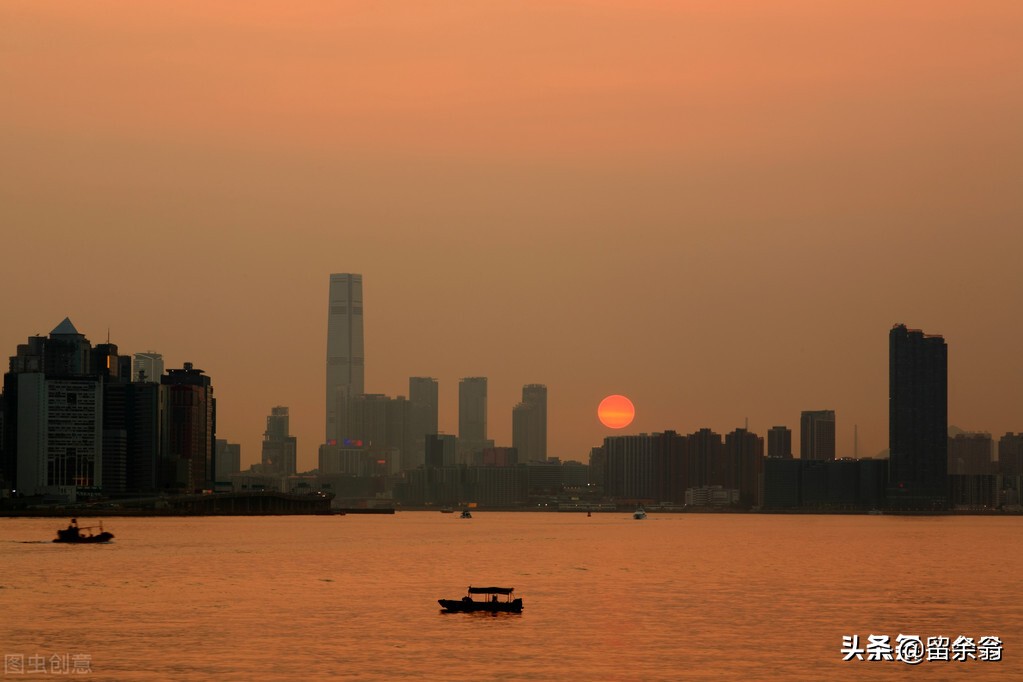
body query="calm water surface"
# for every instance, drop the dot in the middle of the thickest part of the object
(722, 597)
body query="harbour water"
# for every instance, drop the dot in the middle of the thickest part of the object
(674, 596)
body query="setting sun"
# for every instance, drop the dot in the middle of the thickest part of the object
(616, 412)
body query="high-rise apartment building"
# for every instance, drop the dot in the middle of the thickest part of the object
(472, 415)
(817, 434)
(917, 420)
(279, 446)
(971, 454)
(744, 465)
(423, 400)
(529, 424)
(345, 354)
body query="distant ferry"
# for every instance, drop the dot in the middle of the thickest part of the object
(639, 513)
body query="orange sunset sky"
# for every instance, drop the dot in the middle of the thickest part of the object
(716, 208)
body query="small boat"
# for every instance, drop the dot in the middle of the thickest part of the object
(465, 514)
(639, 513)
(447, 510)
(73, 534)
(489, 603)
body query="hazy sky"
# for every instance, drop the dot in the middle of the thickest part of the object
(716, 208)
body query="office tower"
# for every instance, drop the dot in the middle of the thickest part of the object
(189, 430)
(472, 416)
(779, 442)
(147, 367)
(529, 424)
(228, 459)
(817, 435)
(917, 420)
(144, 423)
(423, 401)
(345, 355)
(53, 425)
(279, 446)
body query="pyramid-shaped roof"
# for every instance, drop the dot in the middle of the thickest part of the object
(64, 328)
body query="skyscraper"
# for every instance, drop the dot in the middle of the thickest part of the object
(423, 401)
(54, 414)
(917, 420)
(345, 355)
(279, 446)
(189, 429)
(529, 424)
(472, 414)
(817, 435)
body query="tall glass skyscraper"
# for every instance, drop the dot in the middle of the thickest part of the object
(529, 424)
(472, 412)
(917, 420)
(346, 363)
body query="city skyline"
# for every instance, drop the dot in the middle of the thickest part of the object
(712, 210)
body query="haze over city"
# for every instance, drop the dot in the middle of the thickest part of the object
(716, 210)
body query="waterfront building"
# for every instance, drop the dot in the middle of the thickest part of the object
(781, 483)
(711, 496)
(817, 434)
(53, 429)
(917, 420)
(189, 430)
(345, 350)
(873, 482)
(647, 467)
